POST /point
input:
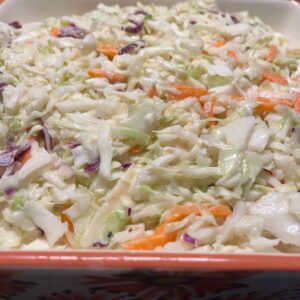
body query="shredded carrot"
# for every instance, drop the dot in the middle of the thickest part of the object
(135, 149)
(272, 53)
(218, 44)
(153, 92)
(208, 108)
(26, 156)
(29, 41)
(237, 98)
(112, 77)
(65, 218)
(286, 102)
(297, 103)
(151, 242)
(219, 210)
(231, 53)
(185, 91)
(177, 213)
(275, 78)
(109, 51)
(297, 79)
(54, 31)
(32, 138)
(267, 104)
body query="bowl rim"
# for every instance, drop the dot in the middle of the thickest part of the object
(69, 259)
(181, 261)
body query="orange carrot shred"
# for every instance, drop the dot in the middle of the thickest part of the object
(236, 98)
(286, 102)
(112, 77)
(185, 91)
(275, 78)
(265, 104)
(54, 31)
(272, 53)
(231, 53)
(296, 78)
(26, 156)
(297, 103)
(218, 44)
(208, 108)
(152, 92)
(151, 242)
(135, 149)
(177, 213)
(220, 211)
(108, 50)
(65, 218)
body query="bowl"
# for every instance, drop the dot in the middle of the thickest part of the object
(148, 275)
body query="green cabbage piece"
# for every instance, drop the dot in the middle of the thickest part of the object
(116, 220)
(15, 124)
(217, 80)
(17, 203)
(132, 135)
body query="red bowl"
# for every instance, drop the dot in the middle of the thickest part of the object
(147, 275)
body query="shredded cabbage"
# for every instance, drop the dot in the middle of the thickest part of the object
(150, 128)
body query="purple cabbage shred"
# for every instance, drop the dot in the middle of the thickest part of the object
(2, 86)
(132, 47)
(10, 191)
(93, 167)
(135, 28)
(129, 211)
(99, 245)
(140, 12)
(8, 156)
(47, 139)
(73, 145)
(125, 166)
(72, 31)
(15, 24)
(188, 239)
(234, 19)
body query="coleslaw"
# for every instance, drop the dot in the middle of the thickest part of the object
(150, 128)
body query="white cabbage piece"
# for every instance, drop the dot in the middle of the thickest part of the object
(61, 196)
(259, 138)
(288, 165)
(144, 116)
(238, 132)
(228, 227)
(10, 237)
(230, 161)
(12, 96)
(82, 204)
(177, 136)
(52, 226)
(18, 218)
(130, 233)
(274, 208)
(105, 148)
(111, 201)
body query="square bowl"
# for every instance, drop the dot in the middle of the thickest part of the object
(147, 275)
